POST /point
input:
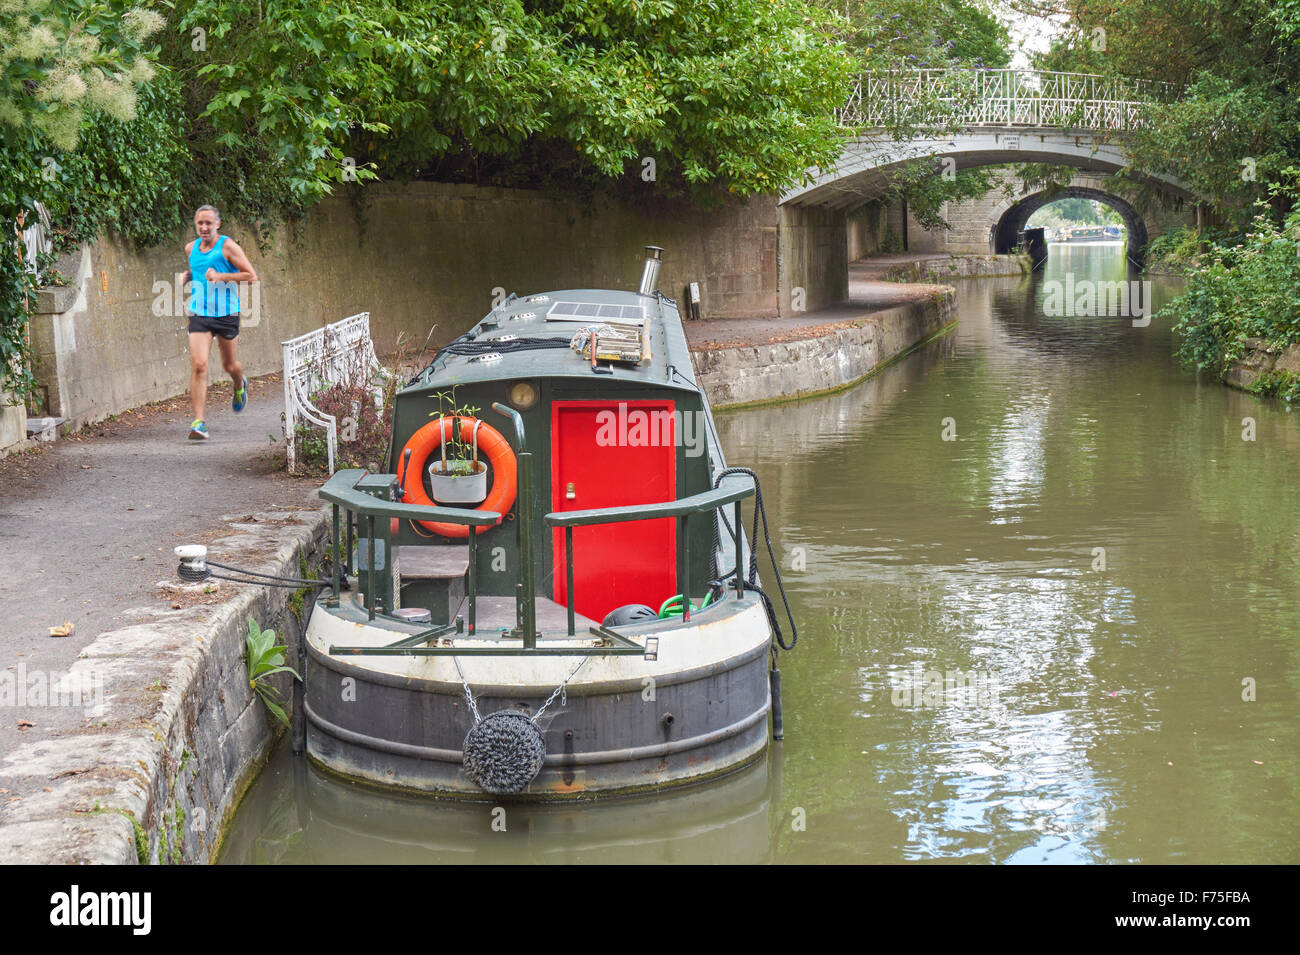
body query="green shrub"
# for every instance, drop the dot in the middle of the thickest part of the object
(1279, 383)
(1247, 289)
(1176, 247)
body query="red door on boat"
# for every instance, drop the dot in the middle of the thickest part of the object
(614, 454)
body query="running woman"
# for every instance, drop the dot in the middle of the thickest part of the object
(217, 263)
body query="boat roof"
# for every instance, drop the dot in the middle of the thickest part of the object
(559, 315)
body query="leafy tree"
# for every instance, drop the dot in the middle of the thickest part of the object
(126, 176)
(295, 97)
(20, 177)
(930, 34)
(1236, 127)
(1075, 211)
(926, 191)
(1241, 289)
(60, 63)
(912, 34)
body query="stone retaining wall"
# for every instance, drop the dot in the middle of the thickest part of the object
(957, 266)
(1259, 359)
(756, 374)
(13, 424)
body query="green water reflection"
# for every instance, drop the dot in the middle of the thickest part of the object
(1098, 549)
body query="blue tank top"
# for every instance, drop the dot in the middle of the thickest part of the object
(212, 299)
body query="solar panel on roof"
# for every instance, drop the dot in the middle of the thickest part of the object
(579, 311)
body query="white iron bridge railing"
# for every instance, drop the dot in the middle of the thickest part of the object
(951, 98)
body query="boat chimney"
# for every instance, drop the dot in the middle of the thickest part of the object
(650, 274)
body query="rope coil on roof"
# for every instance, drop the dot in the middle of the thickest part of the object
(466, 346)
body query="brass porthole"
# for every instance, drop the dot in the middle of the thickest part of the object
(523, 395)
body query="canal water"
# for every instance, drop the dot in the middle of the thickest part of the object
(1048, 586)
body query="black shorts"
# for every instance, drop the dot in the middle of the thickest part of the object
(225, 326)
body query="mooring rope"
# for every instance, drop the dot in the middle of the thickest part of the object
(752, 577)
(192, 574)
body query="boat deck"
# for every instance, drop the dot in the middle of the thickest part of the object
(498, 613)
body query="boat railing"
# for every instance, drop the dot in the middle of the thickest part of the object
(352, 493)
(358, 498)
(732, 491)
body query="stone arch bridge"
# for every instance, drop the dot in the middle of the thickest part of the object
(962, 119)
(992, 224)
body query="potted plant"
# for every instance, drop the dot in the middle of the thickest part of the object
(458, 477)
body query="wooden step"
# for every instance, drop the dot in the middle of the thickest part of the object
(433, 561)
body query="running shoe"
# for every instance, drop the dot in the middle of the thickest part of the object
(241, 396)
(198, 431)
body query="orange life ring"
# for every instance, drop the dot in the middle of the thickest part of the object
(501, 496)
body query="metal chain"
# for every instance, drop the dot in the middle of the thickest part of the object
(560, 691)
(468, 695)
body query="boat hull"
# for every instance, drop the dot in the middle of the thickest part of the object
(623, 724)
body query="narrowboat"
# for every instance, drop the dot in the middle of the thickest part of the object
(549, 593)
(1086, 234)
